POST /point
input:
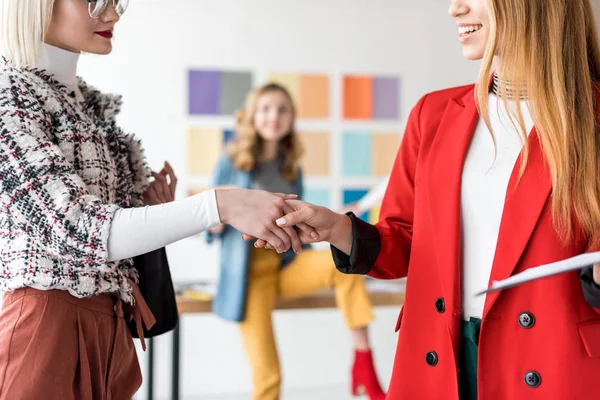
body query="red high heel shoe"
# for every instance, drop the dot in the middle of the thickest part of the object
(364, 378)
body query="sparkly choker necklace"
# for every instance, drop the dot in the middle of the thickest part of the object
(505, 89)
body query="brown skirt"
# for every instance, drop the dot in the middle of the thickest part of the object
(56, 346)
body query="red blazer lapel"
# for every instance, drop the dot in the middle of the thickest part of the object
(448, 152)
(523, 207)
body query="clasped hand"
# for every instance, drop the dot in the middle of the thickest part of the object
(305, 223)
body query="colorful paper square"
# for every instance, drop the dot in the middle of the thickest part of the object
(315, 161)
(356, 154)
(358, 97)
(318, 196)
(235, 86)
(385, 149)
(374, 215)
(385, 98)
(354, 195)
(204, 92)
(228, 135)
(205, 147)
(290, 82)
(313, 97)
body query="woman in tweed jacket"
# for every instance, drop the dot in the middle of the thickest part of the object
(74, 191)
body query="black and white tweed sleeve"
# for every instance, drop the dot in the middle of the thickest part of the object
(39, 190)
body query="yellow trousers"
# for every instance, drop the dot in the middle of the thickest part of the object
(311, 271)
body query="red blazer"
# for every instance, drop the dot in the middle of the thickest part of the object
(420, 238)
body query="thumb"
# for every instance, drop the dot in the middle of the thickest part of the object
(294, 218)
(286, 196)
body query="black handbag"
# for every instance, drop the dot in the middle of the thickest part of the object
(156, 287)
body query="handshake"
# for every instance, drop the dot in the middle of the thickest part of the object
(282, 222)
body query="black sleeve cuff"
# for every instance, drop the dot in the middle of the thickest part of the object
(591, 291)
(366, 245)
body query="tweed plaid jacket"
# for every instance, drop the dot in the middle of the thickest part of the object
(65, 168)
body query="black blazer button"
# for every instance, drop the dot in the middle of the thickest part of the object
(526, 320)
(533, 379)
(431, 358)
(440, 305)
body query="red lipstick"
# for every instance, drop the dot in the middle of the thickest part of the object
(105, 34)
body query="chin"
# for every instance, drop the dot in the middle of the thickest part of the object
(104, 51)
(472, 54)
(99, 48)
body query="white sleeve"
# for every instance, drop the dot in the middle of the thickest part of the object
(374, 197)
(136, 231)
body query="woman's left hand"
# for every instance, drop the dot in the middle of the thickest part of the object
(162, 189)
(597, 274)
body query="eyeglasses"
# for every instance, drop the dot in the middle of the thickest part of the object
(97, 7)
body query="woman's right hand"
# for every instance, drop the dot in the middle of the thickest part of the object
(324, 225)
(255, 212)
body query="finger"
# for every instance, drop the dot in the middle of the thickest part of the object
(284, 237)
(307, 231)
(286, 196)
(167, 192)
(160, 183)
(296, 243)
(260, 244)
(172, 178)
(246, 237)
(274, 240)
(152, 197)
(294, 218)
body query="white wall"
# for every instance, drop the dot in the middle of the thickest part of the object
(157, 41)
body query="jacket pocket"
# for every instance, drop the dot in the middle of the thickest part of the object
(399, 322)
(590, 336)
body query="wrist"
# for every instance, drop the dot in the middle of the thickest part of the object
(341, 233)
(222, 205)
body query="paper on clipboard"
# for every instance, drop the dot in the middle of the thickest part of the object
(570, 264)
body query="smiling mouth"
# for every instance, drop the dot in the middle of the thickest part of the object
(468, 29)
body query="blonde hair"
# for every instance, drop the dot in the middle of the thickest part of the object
(23, 25)
(247, 145)
(550, 49)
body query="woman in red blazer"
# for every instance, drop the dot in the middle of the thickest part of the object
(464, 204)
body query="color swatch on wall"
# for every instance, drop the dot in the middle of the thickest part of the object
(371, 98)
(352, 196)
(356, 154)
(310, 92)
(315, 161)
(213, 92)
(205, 146)
(318, 196)
(366, 154)
(384, 149)
(374, 215)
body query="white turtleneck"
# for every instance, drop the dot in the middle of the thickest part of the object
(136, 231)
(60, 63)
(483, 189)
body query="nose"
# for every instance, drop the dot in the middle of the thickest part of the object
(458, 8)
(110, 14)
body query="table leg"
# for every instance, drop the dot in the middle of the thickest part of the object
(150, 346)
(175, 363)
